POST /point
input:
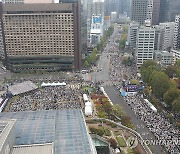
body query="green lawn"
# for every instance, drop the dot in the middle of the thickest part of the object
(117, 133)
(121, 142)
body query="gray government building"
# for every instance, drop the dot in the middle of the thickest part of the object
(41, 36)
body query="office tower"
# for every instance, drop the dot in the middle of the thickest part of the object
(168, 33)
(83, 22)
(96, 29)
(139, 11)
(145, 44)
(95, 8)
(1, 43)
(132, 34)
(42, 36)
(163, 14)
(174, 9)
(149, 10)
(176, 41)
(155, 12)
(159, 37)
(163, 57)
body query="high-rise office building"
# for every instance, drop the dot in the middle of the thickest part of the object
(132, 34)
(83, 22)
(139, 11)
(168, 33)
(119, 6)
(42, 36)
(145, 44)
(163, 13)
(95, 8)
(168, 10)
(155, 12)
(176, 41)
(1, 43)
(173, 9)
(149, 10)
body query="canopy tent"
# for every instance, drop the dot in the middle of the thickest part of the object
(88, 104)
(85, 98)
(88, 110)
(53, 84)
(150, 105)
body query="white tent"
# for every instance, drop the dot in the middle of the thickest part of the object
(88, 104)
(88, 110)
(85, 98)
(53, 84)
(150, 105)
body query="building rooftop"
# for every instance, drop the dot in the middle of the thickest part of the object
(164, 53)
(66, 128)
(33, 149)
(22, 87)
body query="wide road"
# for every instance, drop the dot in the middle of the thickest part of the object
(139, 125)
(103, 75)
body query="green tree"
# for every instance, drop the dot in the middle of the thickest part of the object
(148, 63)
(170, 96)
(125, 29)
(86, 64)
(177, 62)
(176, 105)
(107, 107)
(160, 83)
(147, 72)
(102, 114)
(134, 81)
(117, 110)
(170, 71)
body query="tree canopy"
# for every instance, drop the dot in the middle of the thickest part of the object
(176, 105)
(171, 95)
(160, 83)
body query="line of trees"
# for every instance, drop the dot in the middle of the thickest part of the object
(104, 39)
(123, 39)
(161, 84)
(92, 58)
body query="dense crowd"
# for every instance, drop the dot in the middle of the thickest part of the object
(48, 98)
(157, 123)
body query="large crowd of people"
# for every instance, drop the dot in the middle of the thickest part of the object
(157, 123)
(48, 98)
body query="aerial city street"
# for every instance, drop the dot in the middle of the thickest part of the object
(89, 77)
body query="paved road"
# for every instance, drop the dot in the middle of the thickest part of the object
(139, 125)
(116, 98)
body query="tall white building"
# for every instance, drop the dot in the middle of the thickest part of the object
(145, 44)
(96, 29)
(176, 41)
(149, 10)
(168, 34)
(94, 8)
(132, 34)
(1, 43)
(113, 16)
